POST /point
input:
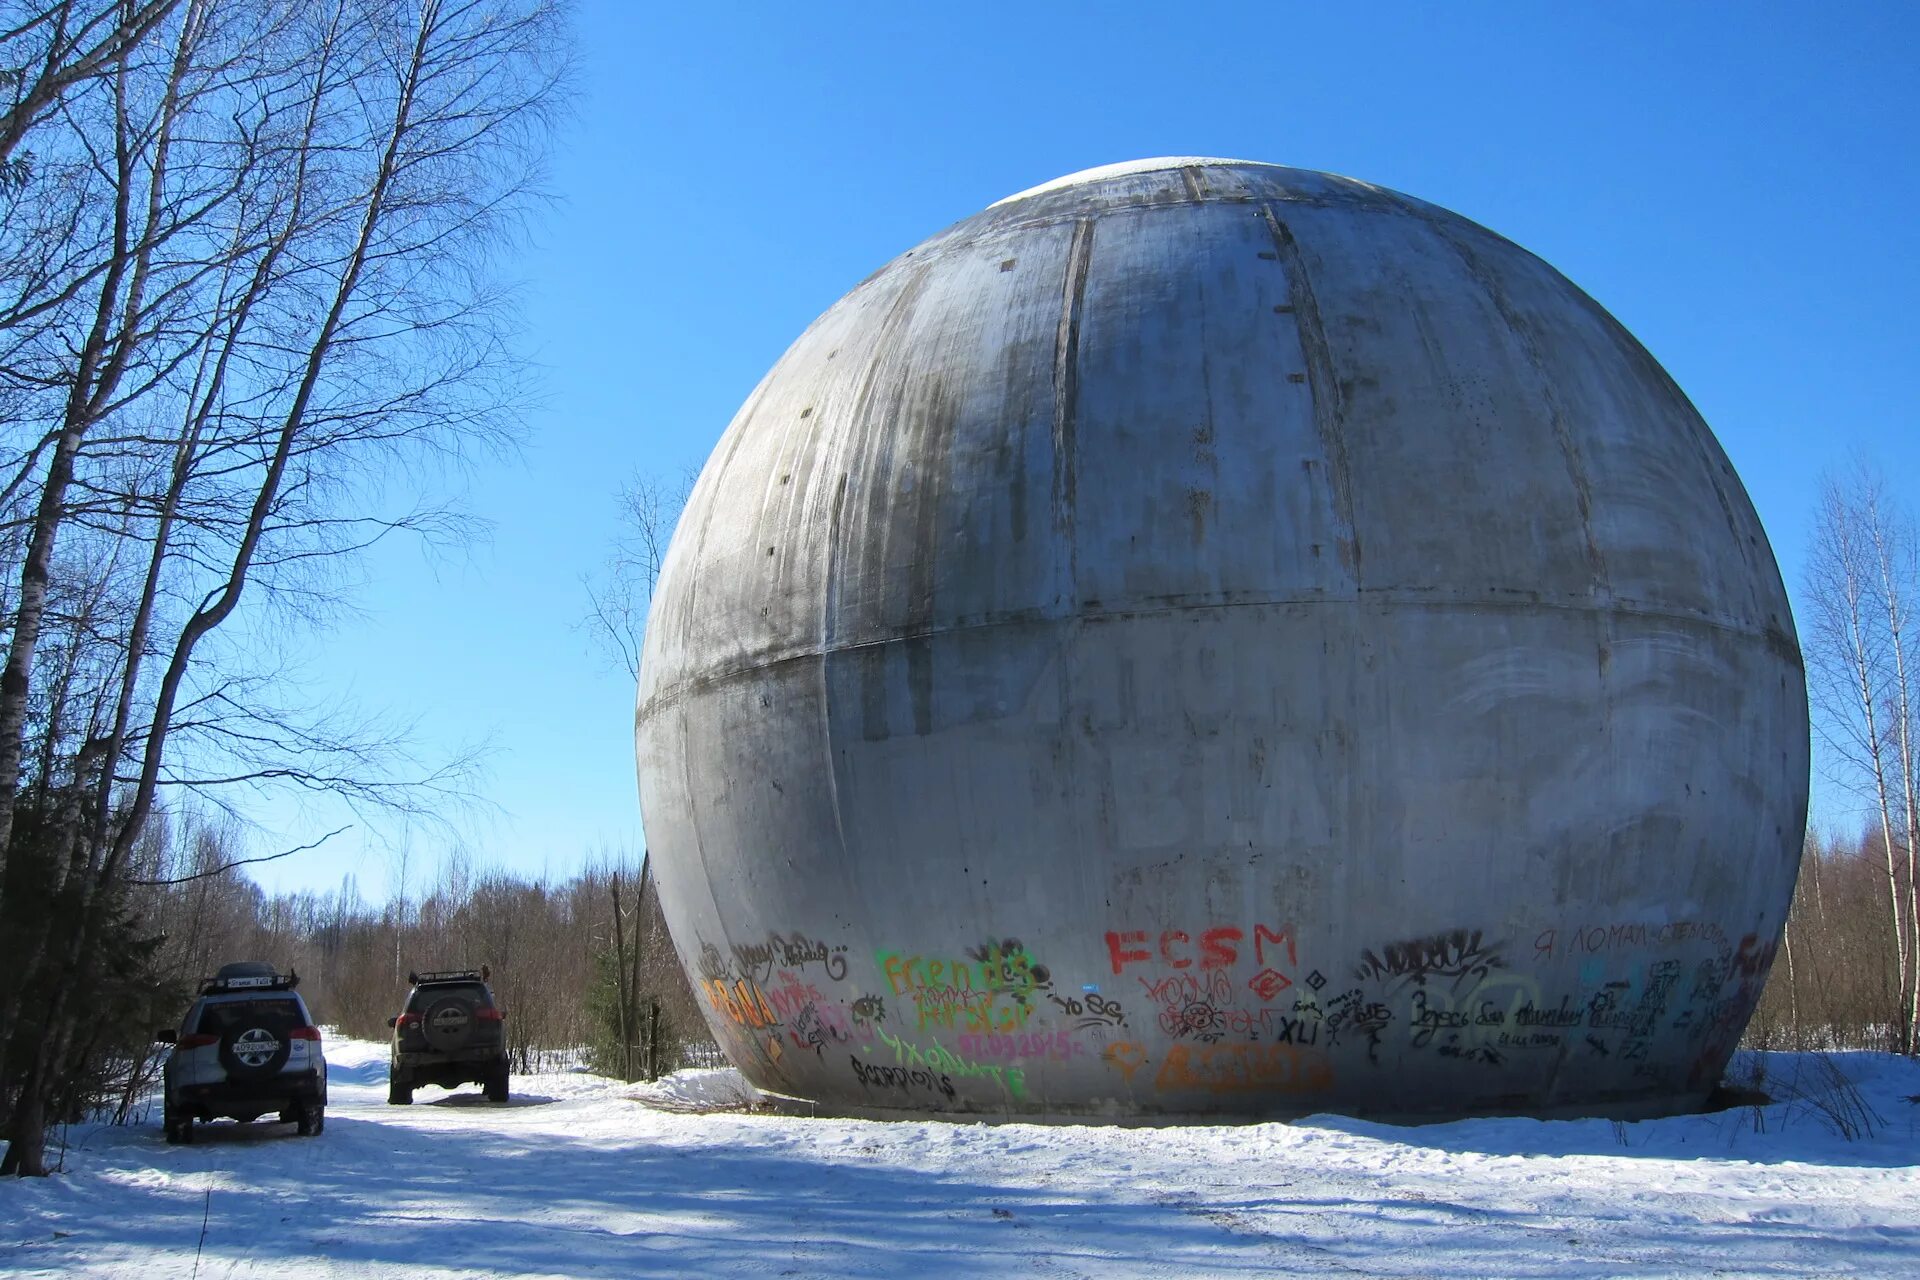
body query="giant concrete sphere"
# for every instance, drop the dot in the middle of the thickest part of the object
(1200, 637)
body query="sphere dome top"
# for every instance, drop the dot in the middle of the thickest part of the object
(1125, 169)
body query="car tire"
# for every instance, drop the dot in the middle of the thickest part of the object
(313, 1119)
(180, 1132)
(494, 1087)
(399, 1093)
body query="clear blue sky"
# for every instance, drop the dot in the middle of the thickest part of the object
(1736, 183)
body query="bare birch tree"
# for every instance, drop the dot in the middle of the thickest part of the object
(303, 286)
(1860, 579)
(618, 597)
(1896, 558)
(50, 47)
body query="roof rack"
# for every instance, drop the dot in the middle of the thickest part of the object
(268, 981)
(482, 974)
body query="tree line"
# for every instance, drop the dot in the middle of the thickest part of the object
(1836, 980)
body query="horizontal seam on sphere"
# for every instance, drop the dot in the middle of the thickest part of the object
(734, 672)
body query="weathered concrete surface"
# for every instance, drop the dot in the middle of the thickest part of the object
(1205, 636)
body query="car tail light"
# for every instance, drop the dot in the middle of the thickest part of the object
(196, 1041)
(408, 1020)
(304, 1033)
(487, 1015)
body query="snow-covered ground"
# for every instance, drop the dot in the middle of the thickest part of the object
(581, 1176)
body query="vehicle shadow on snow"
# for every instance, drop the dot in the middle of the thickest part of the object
(231, 1132)
(476, 1099)
(748, 1197)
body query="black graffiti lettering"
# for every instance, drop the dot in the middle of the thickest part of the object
(1095, 1011)
(903, 1078)
(1008, 966)
(758, 959)
(713, 966)
(1529, 1039)
(1351, 1011)
(754, 960)
(813, 1032)
(798, 950)
(1427, 1020)
(1607, 1010)
(1457, 955)
(1560, 1015)
(1196, 1019)
(1708, 978)
(1483, 1053)
(1297, 1031)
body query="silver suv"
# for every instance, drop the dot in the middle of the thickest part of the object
(246, 1048)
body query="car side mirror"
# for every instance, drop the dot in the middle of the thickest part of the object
(395, 1018)
(166, 1035)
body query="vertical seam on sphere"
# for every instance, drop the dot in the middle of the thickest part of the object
(1066, 397)
(1329, 409)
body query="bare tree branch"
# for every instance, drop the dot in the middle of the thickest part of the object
(225, 867)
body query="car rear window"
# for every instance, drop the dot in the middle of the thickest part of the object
(275, 1014)
(424, 997)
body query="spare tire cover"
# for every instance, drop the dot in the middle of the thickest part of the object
(253, 1049)
(448, 1023)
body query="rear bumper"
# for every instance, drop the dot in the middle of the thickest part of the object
(446, 1070)
(210, 1101)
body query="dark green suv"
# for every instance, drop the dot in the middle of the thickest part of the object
(450, 1033)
